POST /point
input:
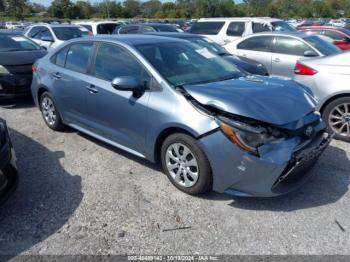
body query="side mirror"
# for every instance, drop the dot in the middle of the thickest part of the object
(310, 53)
(128, 83)
(47, 39)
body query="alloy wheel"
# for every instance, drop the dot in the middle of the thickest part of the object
(339, 119)
(49, 111)
(182, 165)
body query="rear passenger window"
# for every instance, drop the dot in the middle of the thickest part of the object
(236, 29)
(291, 46)
(259, 43)
(207, 28)
(78, 57)
(259, 27)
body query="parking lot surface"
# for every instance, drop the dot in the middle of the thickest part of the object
(77, 195)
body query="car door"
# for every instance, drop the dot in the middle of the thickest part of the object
(287, 51)
(258, 48)
(234, 31)
(117, 115)
(70, 81)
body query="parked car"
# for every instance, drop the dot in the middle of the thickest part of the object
(13, 25)
(245, 64)
(51, 36)
(340, 36)
(279, 51)
(100, 27)
(8, 167)
(225, 30)
(17, 55)
(167, 99)
(328, 79)
(146, 28)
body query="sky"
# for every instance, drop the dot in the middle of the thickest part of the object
(48, 2)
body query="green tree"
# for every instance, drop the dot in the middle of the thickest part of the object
(16, 8)
(62, 9)
(132, 8)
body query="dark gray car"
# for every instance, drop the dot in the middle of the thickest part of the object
(171, 101)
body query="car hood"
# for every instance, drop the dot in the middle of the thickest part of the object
(20, 57)
(266, 99)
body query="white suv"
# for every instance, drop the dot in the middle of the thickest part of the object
(100, 27)
(50, 36)
(227, 29)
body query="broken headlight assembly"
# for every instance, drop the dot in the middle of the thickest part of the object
(247, 136)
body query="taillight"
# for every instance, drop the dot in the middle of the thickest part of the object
(301, 69)
(34, 68)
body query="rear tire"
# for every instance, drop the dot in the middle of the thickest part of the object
(185, 164)
(50, 112)
(336, 115)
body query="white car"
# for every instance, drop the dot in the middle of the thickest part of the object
(50, 36)
(13, 25)
(100, 27)
(226, 30)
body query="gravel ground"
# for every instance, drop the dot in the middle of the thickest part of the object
(79, 196)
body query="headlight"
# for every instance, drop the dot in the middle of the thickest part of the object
(3, 70)
(246, 136)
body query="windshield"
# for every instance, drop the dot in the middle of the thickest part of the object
(182, 63)
(66, 33)
(282, 26)
(210, 45)
(322, 46)
(16, 43)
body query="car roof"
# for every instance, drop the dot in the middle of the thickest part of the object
(175, 35)
(322, 27)
(258, 19)
(134, 39)
(279, 33)
(54, 25)
(97, 22)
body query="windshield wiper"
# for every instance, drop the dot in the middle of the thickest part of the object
(18, 49)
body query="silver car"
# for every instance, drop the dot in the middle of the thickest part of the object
(171, 101)
(279, 51)
(329, 79)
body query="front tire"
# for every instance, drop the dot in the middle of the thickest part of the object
(336, 115)
(185, 164)
(50, 113)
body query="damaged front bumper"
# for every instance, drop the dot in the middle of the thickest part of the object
(282, 166)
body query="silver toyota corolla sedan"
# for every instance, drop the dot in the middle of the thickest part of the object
(329, 79)
(169, 100)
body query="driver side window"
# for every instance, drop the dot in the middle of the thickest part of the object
(113, 61)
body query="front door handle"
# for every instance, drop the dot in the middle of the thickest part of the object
(277, 60)
(57, 75)
(92, 89)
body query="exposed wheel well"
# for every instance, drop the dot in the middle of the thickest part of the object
(332, 99)
(163, 135)
(40, 92)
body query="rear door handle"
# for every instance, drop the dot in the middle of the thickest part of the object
(57, 75)
(92, 89)
(277, 60)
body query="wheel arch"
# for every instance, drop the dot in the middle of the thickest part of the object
(166, 133)
(331, 99)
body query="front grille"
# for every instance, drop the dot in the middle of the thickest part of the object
(302, 161)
